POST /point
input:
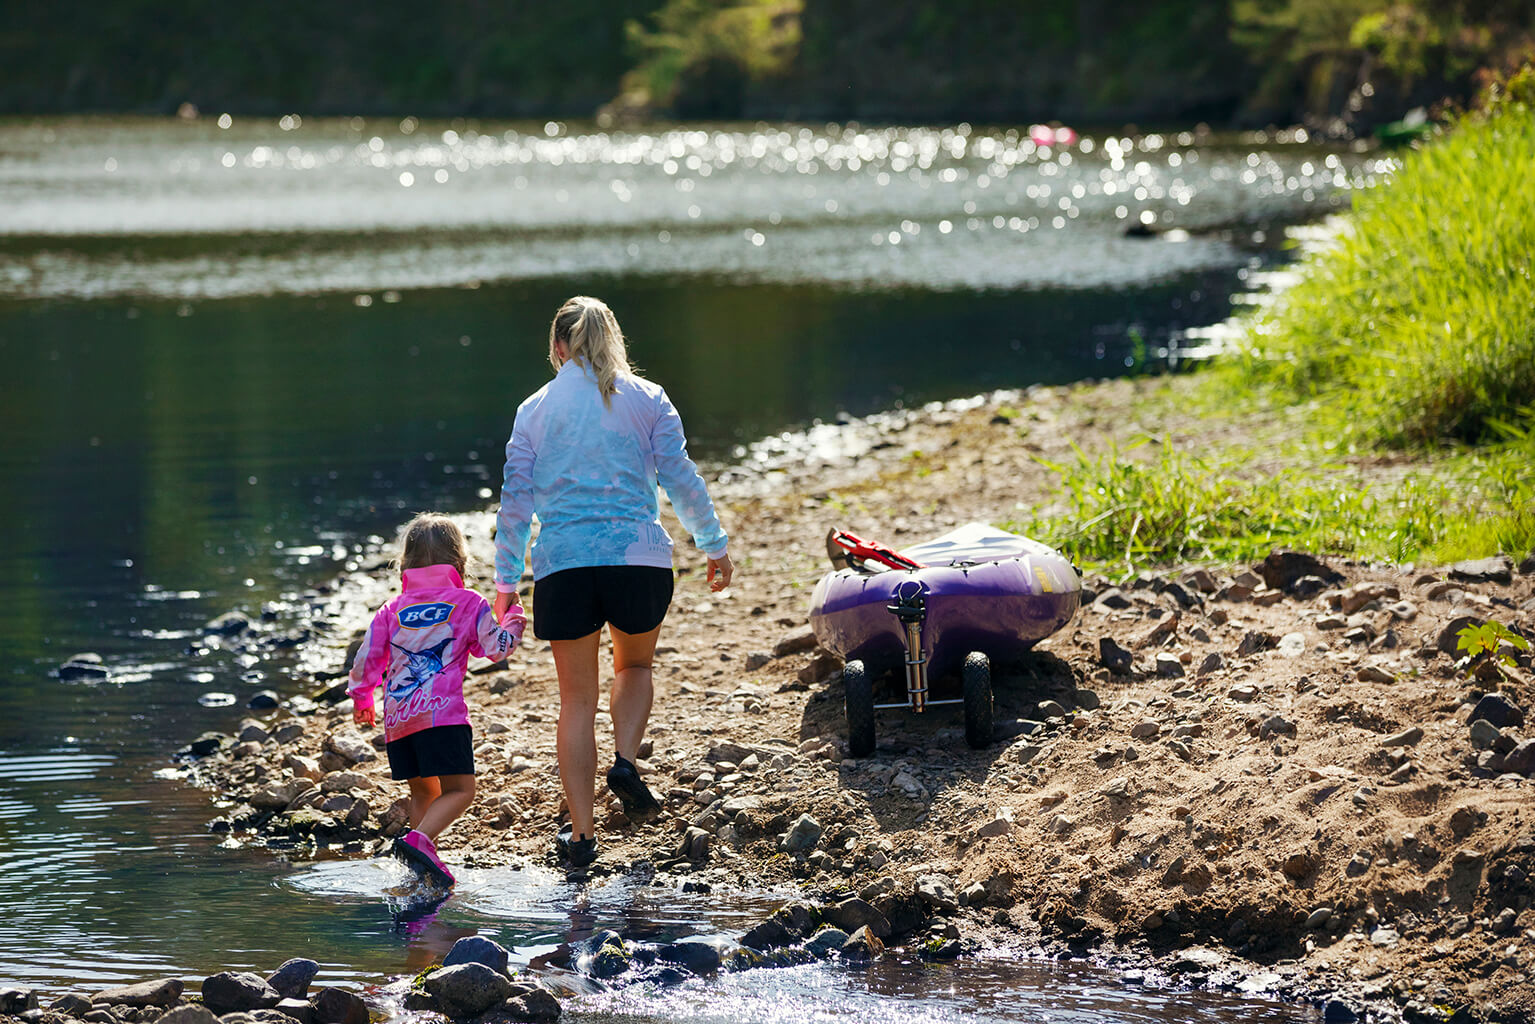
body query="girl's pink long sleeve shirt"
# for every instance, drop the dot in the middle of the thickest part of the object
(418, 646)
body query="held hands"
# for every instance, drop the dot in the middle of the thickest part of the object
(720, 571)
(503, 603)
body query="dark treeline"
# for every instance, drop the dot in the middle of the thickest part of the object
(1346, 63)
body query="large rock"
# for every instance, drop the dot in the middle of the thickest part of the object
(232, 991)
(1521, 759)
(163, 992)
(802, 835)
(536, 1005)
(827, 941)
(862, 947)
(16, 1001)
(1486, 736)
(350, 747)
(851, 915)
(1283, 567)
(795, 643)
(468, 990)
(301, 1010)
(938, 893)
(1498, 709)
(190, 1014)
(205, 744)
(1449, 637)
(71, 1005)
(1498, 569)
(476, 949)
(696, 955)
(767, 935)
(338, 1006)
(291, 980)
(277, 796)
(1114, 657)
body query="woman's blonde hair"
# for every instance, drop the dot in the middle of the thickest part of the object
(433, 539)
(591, 333)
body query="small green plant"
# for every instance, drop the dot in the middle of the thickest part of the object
(1484, 643)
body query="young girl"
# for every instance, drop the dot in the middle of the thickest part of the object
(418, 646)
(586, 455)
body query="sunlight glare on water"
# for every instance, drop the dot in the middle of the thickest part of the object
(377, 208)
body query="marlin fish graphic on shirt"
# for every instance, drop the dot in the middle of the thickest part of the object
(409, 692)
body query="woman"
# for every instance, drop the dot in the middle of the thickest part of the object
(586, 453)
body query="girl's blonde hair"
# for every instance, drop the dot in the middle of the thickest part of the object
(433, 539)
(591, 333)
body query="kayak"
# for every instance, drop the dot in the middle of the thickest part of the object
(953, 604)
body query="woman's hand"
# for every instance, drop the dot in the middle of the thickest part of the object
(720, 571)
(503, 602)
(363, 716)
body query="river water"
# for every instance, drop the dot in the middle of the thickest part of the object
(235, 350)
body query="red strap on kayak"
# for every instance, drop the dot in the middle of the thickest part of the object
(867, 550)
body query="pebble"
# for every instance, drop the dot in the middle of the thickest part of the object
(1374, 674)
(1212, 663)
(1407, 738)
(1292, 645)
(1145, 729)
(1114, 657)
(1169, 666)
(802, 835)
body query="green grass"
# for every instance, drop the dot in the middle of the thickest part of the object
(1418, 327)
(1152, 504)
(1412, 340)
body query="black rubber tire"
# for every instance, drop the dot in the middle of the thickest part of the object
(860, 708)
(978, 708)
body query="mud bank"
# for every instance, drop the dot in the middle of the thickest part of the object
(1273, 776)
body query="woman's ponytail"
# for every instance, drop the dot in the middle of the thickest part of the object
(591, 333)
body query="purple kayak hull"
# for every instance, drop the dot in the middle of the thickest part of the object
(1001, 606)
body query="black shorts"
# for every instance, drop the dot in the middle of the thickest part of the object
(440, 750)
(573, 603)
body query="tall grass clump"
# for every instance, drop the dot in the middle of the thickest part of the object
(1121, 510)
(1418, 327)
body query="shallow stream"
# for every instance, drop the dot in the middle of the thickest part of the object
(233, 354)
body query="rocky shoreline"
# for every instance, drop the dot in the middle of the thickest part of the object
(1276, 778)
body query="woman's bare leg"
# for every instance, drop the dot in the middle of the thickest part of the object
(633, 689)
(575, 662)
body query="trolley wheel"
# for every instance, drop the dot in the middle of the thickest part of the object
(860, 708)
(978, 716)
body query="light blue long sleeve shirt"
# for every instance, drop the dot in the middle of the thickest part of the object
(589, 471)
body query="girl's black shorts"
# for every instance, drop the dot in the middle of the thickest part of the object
(573, 603)
(440, 750)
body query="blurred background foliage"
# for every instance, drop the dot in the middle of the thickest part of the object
(1337, 64)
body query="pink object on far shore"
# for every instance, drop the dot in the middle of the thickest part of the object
(1044, 135)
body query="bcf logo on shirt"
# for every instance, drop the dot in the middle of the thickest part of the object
(420, 616)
